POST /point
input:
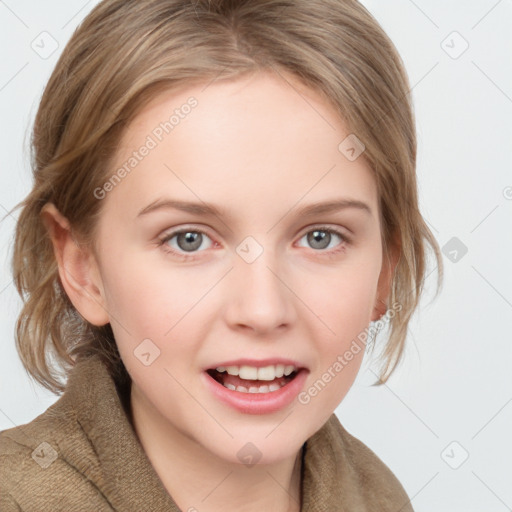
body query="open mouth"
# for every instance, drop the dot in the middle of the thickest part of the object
(254, 380)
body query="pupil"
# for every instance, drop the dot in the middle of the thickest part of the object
(190, 238)
(319, 236)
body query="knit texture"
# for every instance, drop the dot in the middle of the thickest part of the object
(82, 454)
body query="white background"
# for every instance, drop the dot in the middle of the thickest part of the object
(452, 397)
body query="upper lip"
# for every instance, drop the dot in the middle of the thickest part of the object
(257, 363)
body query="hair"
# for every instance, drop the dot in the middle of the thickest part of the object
(127, 51)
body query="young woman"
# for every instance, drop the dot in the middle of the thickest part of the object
(224, 203)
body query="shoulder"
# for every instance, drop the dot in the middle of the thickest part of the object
(7, 503)
(24, 447)
(37, 468)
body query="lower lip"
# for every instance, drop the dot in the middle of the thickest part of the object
(258, 403)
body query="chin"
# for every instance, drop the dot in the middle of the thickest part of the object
(258, 449)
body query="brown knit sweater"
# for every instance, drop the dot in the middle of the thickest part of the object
(82, 454)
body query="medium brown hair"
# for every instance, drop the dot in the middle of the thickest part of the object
(127, 51)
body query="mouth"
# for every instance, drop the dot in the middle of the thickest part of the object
(256, 386)
(252, 379)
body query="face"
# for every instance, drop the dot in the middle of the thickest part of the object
(252, 279)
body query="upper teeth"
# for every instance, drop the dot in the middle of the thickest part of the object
(252, 373)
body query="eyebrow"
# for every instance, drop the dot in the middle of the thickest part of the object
(205, 209)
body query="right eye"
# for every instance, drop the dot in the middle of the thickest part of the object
(185, 241)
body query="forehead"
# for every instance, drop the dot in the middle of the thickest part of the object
(246, 140)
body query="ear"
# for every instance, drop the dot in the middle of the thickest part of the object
(78, 269)
(389, 263)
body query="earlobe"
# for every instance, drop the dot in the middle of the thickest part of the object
(77, 268)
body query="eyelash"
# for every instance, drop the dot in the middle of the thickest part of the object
(188, 257)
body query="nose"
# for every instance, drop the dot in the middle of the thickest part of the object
(259, 297)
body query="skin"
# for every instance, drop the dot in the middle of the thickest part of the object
(260, 147)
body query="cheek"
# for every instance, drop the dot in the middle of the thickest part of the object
(343, 307)
(344, 299)
(343, 302)
(155, 303)
(146, 299)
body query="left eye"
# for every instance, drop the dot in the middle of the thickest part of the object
(320, 238)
